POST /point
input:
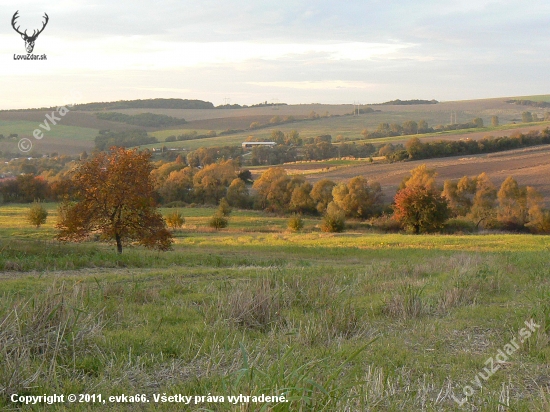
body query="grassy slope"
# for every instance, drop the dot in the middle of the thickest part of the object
(180, 322)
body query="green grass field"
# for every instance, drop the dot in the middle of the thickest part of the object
(356, 321)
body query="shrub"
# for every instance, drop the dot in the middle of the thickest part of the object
(218, 221)
(224, 209)
(37, 215)
(295, 223)
(334, 219)
(175, 220)
(177, 203)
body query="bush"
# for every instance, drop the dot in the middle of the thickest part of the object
(177, 203)
(175, 220)
(295, 223)
(459, 226)
(224, 209)
(385, 223)
(218, 221)
(334, 219)
(37, 215)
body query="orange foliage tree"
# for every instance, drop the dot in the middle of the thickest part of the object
(114, 193)
(420, 209)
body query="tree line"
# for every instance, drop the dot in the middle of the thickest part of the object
(411, 127)
(142, 119)
(416, 149)
(419, 205)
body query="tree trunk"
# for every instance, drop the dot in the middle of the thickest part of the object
(118, 243)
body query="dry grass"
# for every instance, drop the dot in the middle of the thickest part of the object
(37, 333)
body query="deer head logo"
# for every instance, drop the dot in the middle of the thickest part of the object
(29, 40)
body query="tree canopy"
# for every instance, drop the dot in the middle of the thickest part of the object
(114, 193)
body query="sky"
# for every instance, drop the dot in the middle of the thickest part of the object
(246, 52)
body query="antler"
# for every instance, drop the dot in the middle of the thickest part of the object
(34, 34)
(15, 16)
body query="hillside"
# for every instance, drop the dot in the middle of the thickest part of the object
(76, 131)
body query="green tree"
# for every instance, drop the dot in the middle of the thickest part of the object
(115, 197)
(37, 214)
(334, 219)
(237, 194)
(295, 223)
(218, 221)
(224, 209)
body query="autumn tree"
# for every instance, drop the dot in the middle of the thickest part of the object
(178, 186)
(539, 218)
(494, 121)
(301, 201)
(418, 206)
(210, 183)
(274, 189)
(420, 176)
(484, 202)
(419, 209)
(460, 195)
(321, 193)
(358, 198)
(114, 197)
(512, 204)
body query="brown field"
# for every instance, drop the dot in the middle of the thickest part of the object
(530, 166)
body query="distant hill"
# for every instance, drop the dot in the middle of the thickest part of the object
(529, 103)
(146, 104)
(398, 102)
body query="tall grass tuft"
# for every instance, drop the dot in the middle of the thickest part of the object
(43, 335)
(407, 303)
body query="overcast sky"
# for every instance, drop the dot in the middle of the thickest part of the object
(289, 51)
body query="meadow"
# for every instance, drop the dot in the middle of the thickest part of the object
(356, 321)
